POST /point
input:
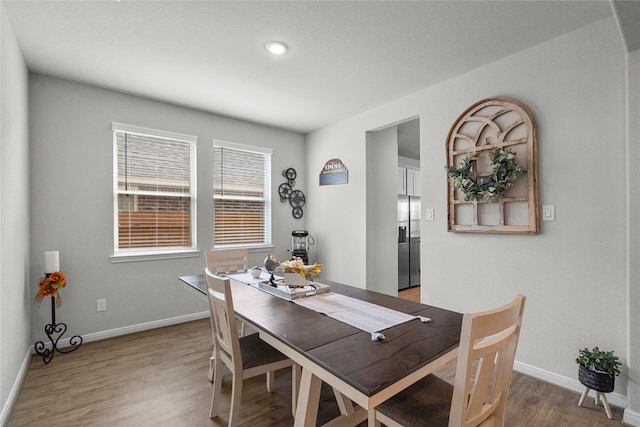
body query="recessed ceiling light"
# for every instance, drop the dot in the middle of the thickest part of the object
(276, 48)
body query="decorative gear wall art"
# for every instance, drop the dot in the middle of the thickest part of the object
(286, 192)
(291, 175)
(296, 200)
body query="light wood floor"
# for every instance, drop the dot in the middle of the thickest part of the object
(159, 378)
(412, 294)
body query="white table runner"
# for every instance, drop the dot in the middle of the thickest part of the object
(360, 314)
(246, 277)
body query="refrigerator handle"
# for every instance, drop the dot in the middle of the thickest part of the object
(402, 234)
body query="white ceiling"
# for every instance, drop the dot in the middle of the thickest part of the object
(345, 57)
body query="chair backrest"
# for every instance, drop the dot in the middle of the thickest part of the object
(226, 260)
(488, 343)
(227, 343)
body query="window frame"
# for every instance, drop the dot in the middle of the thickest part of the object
(155, 252)
(267, 197)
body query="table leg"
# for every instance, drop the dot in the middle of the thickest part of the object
(372, 422)
(345, 405)
(308, 400)
(295, 387)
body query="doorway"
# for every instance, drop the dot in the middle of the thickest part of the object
(387, 148)
(409, 207)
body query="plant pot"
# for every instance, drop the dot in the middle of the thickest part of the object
(294, 279)
(597, 381)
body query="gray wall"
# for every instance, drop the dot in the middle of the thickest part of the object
(72, 203)
(633, 177)
(574, 272)
(15, 296)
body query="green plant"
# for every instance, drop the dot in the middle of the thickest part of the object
(599, 361)
(505, 171)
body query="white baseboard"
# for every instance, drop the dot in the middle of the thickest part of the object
(13, 394)
(616, 399)
(111, 333)
(631, 417)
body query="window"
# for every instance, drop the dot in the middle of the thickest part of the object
(154, 190)
(241, 195)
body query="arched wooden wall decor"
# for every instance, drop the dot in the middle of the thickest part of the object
(484, 127)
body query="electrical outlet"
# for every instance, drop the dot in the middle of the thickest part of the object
(101, 304)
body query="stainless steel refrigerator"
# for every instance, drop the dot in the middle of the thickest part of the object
(408, 241)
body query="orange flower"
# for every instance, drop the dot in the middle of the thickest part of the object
(49, 285)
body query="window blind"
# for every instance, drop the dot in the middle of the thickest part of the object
(242, 196)
(155, 201)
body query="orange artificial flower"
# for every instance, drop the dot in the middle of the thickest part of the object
(49, 285)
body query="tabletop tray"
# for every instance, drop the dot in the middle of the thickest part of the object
(285, 292)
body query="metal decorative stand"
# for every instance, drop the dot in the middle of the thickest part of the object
(55, 329)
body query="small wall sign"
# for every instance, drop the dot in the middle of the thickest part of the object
(334, 172)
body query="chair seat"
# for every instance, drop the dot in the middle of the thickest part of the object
(428, 399)
(256, 352)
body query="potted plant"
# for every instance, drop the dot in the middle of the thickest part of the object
(598, 369)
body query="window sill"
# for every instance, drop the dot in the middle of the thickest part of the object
(153, 256)
(261, 249)
(250, 249)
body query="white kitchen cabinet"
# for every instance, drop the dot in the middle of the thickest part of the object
(408, 181)
(402, 181)
(413, 182)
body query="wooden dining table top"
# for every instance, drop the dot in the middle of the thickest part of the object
(346, 352)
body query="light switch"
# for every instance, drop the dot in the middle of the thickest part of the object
(429, 214)
(549, 213)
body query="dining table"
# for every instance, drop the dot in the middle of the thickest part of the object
(363, 367)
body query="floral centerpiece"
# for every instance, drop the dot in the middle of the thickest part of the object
(49, 286)
(295, 265)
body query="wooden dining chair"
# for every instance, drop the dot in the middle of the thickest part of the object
(245, 357)
(488, 342)
(223, 261)
(227, 260)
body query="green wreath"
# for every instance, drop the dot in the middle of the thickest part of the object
(488, 189)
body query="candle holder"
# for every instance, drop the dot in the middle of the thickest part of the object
(54, 332)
